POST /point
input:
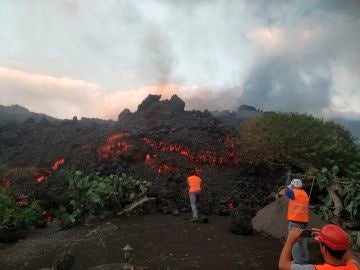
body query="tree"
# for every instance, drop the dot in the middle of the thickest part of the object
(309, 143)
(293, 139)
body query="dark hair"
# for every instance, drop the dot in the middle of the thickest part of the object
(338, 254)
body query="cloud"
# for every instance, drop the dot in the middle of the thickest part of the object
(89, 57)
(270, 39)
(276, 84)
(305, 66)
(67, 97)
(42, 93)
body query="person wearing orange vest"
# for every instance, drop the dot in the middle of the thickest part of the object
(334, 248)
(298, 217)
(194, 185)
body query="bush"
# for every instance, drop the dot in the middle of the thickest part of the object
(343, 200)
(96, 194)
(293, 139)
(15, 221)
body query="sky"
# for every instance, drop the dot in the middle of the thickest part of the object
(96, 58)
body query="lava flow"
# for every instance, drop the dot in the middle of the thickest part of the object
(115, 146)
(205, 156)
(41, 174)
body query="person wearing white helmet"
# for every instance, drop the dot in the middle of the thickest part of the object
(298, 217)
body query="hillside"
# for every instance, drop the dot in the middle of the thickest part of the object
(159, 142)
(18, 114)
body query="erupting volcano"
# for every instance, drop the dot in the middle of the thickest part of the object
(160, 142)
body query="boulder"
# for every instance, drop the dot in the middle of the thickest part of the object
(124, 115)
(240, 221)
(176, 104)
(148, 102)
(272, 220)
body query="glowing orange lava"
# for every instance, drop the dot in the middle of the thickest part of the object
(164, 168)
(205, 156)
(5, 183)
(42, 174)
(115, 145)
(21, 200)
(57, 164)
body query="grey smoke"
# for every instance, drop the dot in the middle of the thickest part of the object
(158, 57)
(276, 84)
(122, 45)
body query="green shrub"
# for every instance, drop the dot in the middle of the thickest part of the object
(96, 194)
(344, 188)
(293, 139)
(14, 220)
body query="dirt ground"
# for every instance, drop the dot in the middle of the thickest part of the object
(159, 242)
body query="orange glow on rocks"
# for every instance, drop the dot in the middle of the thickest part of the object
(115, 146)
(57, 164)
(205, 156)
(41, 178)
(164, 168)
(41, 174)
(5, 183)
(22, 200)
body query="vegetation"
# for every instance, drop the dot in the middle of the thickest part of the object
(15, 221)
(308, 143)
(95, 194)
(292, 139)
(343, 199)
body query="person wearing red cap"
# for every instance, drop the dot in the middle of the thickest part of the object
(334, 248)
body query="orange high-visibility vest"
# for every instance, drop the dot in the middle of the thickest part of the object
(194, 183)
(298, 209)
(349, 266)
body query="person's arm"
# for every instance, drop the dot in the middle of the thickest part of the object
(285, 257)
(287, 192)
(282, 192)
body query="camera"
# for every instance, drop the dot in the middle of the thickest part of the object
(307, 233)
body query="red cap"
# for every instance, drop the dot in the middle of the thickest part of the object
(334, 237)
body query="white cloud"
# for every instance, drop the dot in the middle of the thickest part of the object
(118, 47)
(66, 97)
(270, 39)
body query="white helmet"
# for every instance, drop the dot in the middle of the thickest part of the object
(296, 183)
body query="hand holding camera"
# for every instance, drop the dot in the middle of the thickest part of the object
(309, 233)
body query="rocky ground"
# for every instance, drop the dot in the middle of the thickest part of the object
(160, 142)
(159, 242)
